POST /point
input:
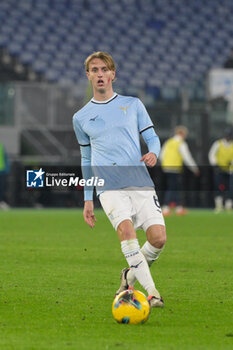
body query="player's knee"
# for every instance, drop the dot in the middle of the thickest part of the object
(163, 236)
(126, 231)
(159, 239)
(127, 234)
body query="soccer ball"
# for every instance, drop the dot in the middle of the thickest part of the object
(131, 306)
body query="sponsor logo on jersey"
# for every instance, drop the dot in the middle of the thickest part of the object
(93, 119)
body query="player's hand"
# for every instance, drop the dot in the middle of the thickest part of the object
(149, 159)
(88, 213)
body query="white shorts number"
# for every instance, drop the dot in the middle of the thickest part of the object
(136, 204)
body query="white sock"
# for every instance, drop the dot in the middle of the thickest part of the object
(138, 264)
(218, 202)
(151, 254)
(228, 204)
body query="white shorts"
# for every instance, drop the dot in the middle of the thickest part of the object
(141, 206)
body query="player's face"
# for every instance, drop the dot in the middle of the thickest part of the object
(100, 75)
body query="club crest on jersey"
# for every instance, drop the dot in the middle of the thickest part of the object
(124, 109)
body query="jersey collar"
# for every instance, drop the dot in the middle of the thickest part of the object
(93, 100)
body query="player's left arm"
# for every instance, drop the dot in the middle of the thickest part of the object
(146, 129)
(153, 143)
(188, 159)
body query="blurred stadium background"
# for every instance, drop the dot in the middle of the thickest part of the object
(169, 53)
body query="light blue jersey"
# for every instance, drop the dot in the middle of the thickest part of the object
(109, 135)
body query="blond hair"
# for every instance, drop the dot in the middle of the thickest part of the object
(181, 129)
(104, 56)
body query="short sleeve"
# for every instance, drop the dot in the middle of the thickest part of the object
(82, 137)
(144, 121)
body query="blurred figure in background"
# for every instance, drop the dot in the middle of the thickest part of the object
(4, 169)
(174, 153)
(221, 158)
(229, 62)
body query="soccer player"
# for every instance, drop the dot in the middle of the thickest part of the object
(108, 130)
(174, 153)
(221, 158)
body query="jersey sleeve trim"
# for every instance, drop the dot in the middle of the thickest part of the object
(146, 128)
(88, 144)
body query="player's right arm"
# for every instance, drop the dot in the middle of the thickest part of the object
(85, 149)
(88, 213)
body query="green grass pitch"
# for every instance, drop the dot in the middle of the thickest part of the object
(58, 279)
